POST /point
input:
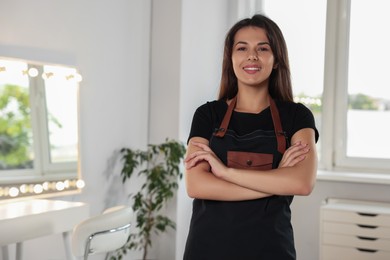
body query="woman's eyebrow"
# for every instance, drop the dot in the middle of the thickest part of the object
(260, 43)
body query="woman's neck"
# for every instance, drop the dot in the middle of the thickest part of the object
(252, 100)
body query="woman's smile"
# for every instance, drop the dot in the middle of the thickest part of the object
(251, 69)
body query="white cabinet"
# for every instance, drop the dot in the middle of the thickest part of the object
(356, 230)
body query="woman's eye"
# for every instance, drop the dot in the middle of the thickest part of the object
(263, 49)
(241, 48)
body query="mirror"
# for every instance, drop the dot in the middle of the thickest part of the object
(38, 129)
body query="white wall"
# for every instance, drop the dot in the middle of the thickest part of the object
(164, 96)
(108, 41)
(204, 25)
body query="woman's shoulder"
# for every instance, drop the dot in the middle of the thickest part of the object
(213, 106)
(296, 116)
(289, 107)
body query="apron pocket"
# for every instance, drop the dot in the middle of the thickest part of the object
(250, 161)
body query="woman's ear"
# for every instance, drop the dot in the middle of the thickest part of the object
(275, 66)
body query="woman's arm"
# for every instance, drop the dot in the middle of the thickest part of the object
(295, 178)
(202, 184)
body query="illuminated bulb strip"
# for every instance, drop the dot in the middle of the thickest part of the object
(46, 187)
(33, 72)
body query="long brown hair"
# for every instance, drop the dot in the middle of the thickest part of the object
(280, 80)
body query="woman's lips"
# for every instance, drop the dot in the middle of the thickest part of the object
(251, 69)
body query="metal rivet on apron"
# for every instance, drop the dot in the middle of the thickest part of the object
(249, 162)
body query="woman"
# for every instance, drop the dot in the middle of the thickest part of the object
(240, 167)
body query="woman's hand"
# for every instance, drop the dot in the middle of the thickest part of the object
(205, 154)
(294, 154)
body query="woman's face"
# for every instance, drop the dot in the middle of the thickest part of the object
(252, 57)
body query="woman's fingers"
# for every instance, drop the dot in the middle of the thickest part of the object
(192, 162)
(204, 147)
(193, 155)
(216, 166)
(294, 154)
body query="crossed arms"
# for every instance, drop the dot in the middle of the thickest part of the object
(208, 178)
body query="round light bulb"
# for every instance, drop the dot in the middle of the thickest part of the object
(33, 72)
(80, 184)
(23, 188)
(78, 77)
(60, 186)
(13, 192)
(45, 185)
(47, 75)
(38, 188)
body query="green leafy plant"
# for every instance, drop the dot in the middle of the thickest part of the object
(159, 167)
(15, 128)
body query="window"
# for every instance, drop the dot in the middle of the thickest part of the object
(362, 111)
(306, 45)
(38, 126)
(61, 114)
(338, 56)
(368, 94)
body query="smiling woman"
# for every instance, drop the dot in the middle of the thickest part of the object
(249, 152)
(38, 128)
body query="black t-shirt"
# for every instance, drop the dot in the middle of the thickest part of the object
(294, 117)
(252, 229)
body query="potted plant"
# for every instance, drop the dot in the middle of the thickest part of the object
(159, 169)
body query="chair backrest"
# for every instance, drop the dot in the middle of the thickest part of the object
(103, 233)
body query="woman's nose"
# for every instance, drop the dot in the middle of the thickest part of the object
(253, 56)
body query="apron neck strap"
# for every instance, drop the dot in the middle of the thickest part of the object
(220, 132)
(279, 133)
(280, 137)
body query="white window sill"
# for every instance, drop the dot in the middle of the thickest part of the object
(356, 177)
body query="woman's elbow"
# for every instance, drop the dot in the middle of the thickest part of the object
(192, 189)
(305, 188)
(304, 181)
(191, 192)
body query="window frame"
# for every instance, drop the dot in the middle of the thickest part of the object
(335, 94)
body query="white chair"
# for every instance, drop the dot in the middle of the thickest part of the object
(103, 233)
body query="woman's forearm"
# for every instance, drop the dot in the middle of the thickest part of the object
(202, 184)
(281, 181)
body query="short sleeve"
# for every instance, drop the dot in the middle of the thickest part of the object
(304, 119)
(202, 123)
